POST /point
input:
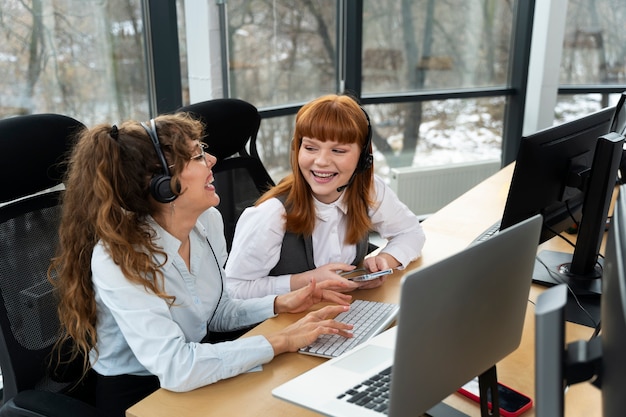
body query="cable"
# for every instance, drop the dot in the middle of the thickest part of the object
(572, 244)
(571, 215)
(597, 330)
(219, 269)
(558, 279)
(556, 276)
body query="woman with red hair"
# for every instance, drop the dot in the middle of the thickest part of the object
(316, 222)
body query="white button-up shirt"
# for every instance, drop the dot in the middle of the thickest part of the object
(260, 230)
(140, 334)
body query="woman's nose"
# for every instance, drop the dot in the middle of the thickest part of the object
(323, 158)
(210, 160)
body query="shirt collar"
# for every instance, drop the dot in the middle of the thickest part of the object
(323, 211)
(169, 243)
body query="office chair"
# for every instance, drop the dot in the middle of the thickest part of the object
(31, 148)
(240, 177)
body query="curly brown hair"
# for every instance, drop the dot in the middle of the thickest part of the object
(107, 198)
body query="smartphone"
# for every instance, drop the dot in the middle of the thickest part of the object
(360, 275)
(512, 403)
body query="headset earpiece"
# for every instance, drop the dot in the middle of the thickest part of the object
(160, 188)
(366, 159)
(160, 184)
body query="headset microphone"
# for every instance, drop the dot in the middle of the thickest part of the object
(343, 187)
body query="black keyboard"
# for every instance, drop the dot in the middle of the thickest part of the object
(373, 393)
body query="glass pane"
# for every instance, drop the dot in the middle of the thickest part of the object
(281, 51)
(413, 45)
(571, 107)
(450, 131)
(273, 143)
(82, 58)
(593, 48)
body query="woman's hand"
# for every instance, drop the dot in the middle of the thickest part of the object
(378, 263)
(324, 273)
(307, 329)
(301, 300)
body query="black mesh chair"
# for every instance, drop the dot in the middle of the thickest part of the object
(31, 148)
(231, 127)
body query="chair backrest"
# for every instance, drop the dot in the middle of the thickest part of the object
(240, 177)
(32, 148)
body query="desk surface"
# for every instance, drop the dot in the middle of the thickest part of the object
(448, 231)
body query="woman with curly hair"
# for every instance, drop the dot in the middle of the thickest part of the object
(139, 268)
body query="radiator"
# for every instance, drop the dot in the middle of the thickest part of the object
(427, 189)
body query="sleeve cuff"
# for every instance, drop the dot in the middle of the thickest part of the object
(283, 284)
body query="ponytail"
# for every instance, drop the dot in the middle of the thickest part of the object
(107, 199)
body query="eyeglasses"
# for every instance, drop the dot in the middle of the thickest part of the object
(201, 157)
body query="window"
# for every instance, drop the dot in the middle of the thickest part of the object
(282, 52)
(594, 57)
(288, 52)
(429, 45)
(593, 48)
(83, 58)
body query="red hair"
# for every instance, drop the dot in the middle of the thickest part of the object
(328, 118)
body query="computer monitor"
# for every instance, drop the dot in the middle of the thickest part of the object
(618, 124)
(601, 360)
(613, 313)
(550, 382)
(567, 173)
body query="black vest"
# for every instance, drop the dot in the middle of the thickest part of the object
(296, 253)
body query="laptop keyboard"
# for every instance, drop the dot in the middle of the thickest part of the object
(369, 319)
(372, 393)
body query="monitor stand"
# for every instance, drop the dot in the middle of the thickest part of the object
(551, 269)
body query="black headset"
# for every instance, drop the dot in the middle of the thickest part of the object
(366, 159)
(160, 184)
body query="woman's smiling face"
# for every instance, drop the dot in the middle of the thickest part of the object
(327, 165)
(196, 180)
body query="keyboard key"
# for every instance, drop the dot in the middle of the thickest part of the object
(372, 393)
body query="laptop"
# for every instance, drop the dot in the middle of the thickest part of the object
(457, 318)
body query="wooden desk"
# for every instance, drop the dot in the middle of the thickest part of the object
(448, 231)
